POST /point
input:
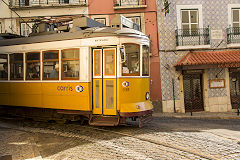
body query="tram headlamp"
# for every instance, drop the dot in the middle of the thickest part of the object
(147, 95)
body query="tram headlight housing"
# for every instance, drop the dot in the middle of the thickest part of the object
(147, 95)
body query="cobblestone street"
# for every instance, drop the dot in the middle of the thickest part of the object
(163, 138)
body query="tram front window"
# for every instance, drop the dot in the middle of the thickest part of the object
(145, 60)
(3, 66)
(70, 64)
(131, 66)
(16, 66)
(33, 66)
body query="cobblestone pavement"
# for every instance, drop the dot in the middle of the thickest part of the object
(163, 138)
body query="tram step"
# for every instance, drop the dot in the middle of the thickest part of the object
(99, 120)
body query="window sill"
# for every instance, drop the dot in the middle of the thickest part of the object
(129, 7)
(192, 47)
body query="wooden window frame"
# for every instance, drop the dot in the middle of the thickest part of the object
(139, 54)
(49, 60)
(71, 59)
(32, 61)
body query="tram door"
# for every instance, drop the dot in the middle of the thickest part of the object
(104, 81)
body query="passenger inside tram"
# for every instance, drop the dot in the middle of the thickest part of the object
(54, 73)
(4, 72)
(32, 71)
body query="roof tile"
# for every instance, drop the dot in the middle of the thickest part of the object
(210, 57)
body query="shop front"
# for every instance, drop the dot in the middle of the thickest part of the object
(209, 81)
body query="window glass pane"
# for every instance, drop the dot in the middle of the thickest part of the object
(235, 15)
(51, 70)
(185, 17)
(185, 27)
(50, 55)
(109, 62)
(194, 29)
(145, 60)
(101, 20)
(194, 16)
(70, 64)
(51, 65)
(131, 65)
(70, 54)
(33, 71)
(97, 96)
(97, 64)
(236, 25)
(70, 69)
(33, 56)
(136, 20)
(16, 66)
(33, 66)
(3, 66)
(185, 30)
(109, 94)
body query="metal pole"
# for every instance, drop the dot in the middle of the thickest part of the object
(191, 107)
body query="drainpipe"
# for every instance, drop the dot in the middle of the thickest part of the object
(174, 105)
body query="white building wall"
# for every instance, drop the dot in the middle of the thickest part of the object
(10, 20)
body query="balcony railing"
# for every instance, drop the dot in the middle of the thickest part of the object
(129, 3)
(233, 35)
(45, 3)
(192, 37)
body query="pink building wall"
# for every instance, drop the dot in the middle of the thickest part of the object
(106, 7)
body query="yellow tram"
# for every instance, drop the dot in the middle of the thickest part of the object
(98, 73)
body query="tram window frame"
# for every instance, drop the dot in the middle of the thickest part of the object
(139, 60)
(55, 61)
(70, 59)
(148, 61)
(12, 73)
(30, 62)
(3, 71)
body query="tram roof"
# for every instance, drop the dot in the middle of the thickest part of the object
(77, 34)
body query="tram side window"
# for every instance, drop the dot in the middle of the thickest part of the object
(70, 64)
(33, 66)
(16, 66)
(145, 60)
(51, 65)
(3, 66)
(131, 66)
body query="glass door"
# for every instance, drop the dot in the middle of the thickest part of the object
(104, 81)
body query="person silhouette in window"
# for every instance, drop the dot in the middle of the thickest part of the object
(55, 71)
(4, 73)
(32, 71)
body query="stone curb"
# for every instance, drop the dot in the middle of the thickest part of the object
(196, 117)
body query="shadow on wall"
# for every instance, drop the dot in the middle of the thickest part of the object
(157, 106)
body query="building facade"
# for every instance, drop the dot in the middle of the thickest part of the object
(199, 45)
(144, 13)
(19, 16)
